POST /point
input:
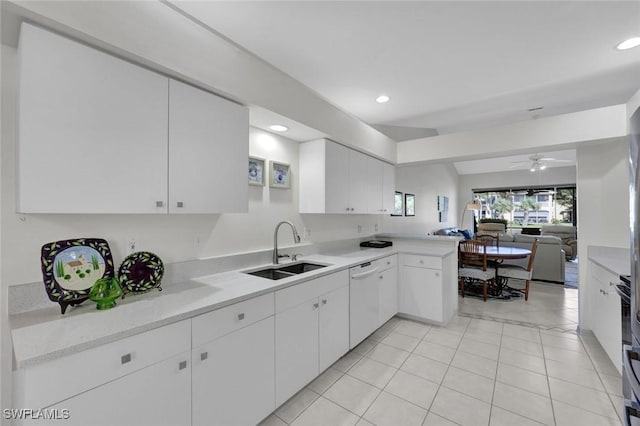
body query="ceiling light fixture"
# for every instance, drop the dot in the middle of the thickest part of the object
(537, 166)
(278, 128)
(629, 43)
(382, 99)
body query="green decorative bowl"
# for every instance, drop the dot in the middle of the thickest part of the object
(104, 292)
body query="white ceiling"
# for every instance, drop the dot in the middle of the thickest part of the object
(566, 158)
(450, 66)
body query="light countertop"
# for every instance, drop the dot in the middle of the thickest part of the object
(614, 259)
(44, 334)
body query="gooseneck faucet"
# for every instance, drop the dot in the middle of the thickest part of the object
(296, 239)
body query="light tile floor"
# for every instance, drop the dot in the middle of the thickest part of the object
(488, 366)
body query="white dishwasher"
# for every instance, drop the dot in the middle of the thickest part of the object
(363, 301)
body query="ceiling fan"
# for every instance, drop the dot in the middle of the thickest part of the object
(537, 162)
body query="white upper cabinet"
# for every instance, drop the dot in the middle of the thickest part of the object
(388, 188)
(375, 175)
(97, 134)
(208, 150)
(92, 130)
(358, 185)
(326, 177)
(336, 179)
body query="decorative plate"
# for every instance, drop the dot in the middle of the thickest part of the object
(141, 271)
(71, 267)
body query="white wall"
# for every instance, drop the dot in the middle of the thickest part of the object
(603, 206)
(633, 105)
(515, 178)
(426, 182)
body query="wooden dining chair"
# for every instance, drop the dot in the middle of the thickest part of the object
(519, 272)
(489, 239)
(472, 265)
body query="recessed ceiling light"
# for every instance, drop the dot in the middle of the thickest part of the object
(278, 128)
(629, 43)
(382, 99)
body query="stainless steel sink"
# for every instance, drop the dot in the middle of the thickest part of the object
(286, 271)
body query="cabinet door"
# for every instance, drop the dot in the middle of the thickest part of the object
(388, 294)
(156, 395)
(92, 130)
(334, 326)
(357, 182)
(296, 348)
(375, 175)
(208, 150)
(233, 377)
(336, 178)
(388, 188)
(605, 312)
(420, 293)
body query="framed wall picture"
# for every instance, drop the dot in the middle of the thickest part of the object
(256, 171)
(279, 175)
(398, 204)
(409, 204)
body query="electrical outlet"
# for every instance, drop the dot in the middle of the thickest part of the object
(131, 245)
(306, 232)
(375, 227)
(359, 229)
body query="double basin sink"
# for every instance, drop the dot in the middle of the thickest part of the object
(286, 271)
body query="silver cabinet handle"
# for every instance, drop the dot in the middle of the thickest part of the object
(316, 305)
(422, 261)
(125, 358)
(324, 301)
(381, 277)
(180, 204)
(159, 203)
(437, 274)
(347, 209)
(241, 316)
(365, 274)
(204, 355)
(182, 365)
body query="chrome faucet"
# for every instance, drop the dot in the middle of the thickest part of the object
(296, 239)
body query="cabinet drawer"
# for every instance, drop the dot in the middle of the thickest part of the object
(294, 295)
(421, 261)
(44, 384)
(387, 262)
(210, 326)
(602, 275)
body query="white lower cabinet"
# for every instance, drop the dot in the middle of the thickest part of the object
(388, 293)
(233, 377)
(424, 291)
(140, 380)
(156, 395)
(311, 331)
(605, 310)
(233, 364)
